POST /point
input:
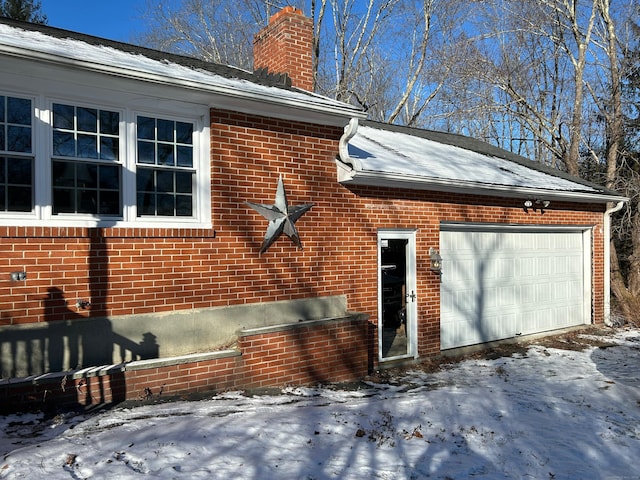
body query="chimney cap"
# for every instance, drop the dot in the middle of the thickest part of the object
(286, 11)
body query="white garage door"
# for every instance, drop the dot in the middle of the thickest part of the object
(500, 282)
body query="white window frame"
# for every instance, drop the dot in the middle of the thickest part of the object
(130, 107)
(19, 216)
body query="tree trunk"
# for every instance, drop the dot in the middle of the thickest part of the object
(626, 293)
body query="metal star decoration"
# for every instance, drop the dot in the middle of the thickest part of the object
(281, 216)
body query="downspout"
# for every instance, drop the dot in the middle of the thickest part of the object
(607, 261)
(349, 132)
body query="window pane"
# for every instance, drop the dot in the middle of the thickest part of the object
(165, 130)
(184, 182)
(164, 181)
(109, 203)
(63, 174)
(109, 122)
(89, 188)
(15, 135)
(146, 128)
(63, 116)
(19, 139)
(87, 175)
(146, 152)
(165, 154)
(16, 184)
(184, 206)
(87, 146)
(109, 178)
(87, 201)
(144, 180)
(185, 156)
(20, 199)
(146, 204)
(64, 144)
(109, 148)
(184, 132)
(87, 120)
(165, 191)
(63, 201)
(19, 171)
(19, 111)
(165, 204)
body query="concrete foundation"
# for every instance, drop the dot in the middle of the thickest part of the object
(36, 349)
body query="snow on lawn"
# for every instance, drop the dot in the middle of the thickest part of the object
(544, 413)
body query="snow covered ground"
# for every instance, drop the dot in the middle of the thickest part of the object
(542, 413)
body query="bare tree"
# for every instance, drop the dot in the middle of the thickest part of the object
(387, 55)
(620, 166)
(25, 10)
(383, 55)
(534, 54)
(219, 31)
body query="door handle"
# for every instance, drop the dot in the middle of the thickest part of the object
(411, 296)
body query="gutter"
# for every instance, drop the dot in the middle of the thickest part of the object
(607, 261)
(348, 174)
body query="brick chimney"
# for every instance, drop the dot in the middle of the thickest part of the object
(284, 47)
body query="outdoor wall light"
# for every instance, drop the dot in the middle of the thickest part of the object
(435, 260)
(18, 276)
(536, 204)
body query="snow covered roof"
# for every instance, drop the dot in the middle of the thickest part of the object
(230, 86)
(385, 155)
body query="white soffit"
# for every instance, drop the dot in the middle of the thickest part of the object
(388, 157)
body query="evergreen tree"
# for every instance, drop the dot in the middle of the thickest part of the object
(25, 10)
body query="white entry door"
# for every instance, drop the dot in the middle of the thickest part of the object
(397, 297)
(500, 282)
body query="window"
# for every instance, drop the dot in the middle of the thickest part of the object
(123, 160)
(85, 170)
(16, 155)
(164, 171)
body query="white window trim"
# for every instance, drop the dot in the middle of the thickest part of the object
(42, 151)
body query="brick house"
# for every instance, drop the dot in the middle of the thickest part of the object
(134, 264)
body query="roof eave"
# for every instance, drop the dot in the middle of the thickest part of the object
(349, 176)
(225, 97)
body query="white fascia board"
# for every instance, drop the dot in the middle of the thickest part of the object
(300, 108)
(287, 110)
(349, 176)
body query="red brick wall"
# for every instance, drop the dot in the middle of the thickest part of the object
(122, 271)
(307, 355)
(339, 233)
(128, 271)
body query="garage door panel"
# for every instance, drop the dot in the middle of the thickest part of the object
(497, 284)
